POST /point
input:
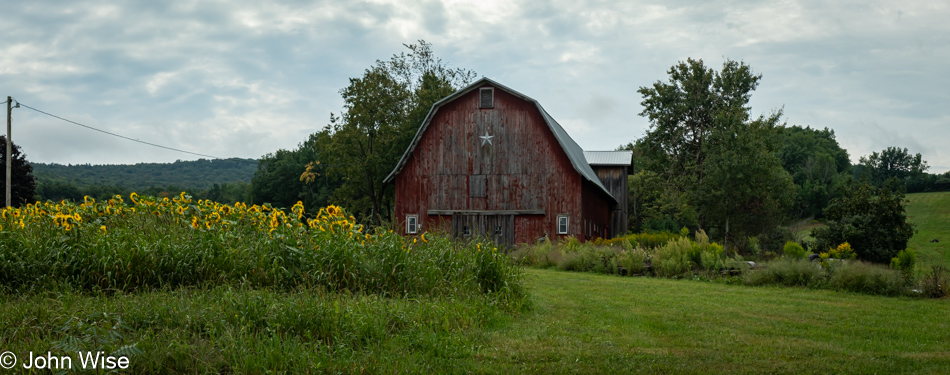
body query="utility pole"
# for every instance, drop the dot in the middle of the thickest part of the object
(9, 152)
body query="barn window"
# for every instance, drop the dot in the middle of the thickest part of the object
(412, 224)
(498, 230)
(486, 97)
(467, 231)
(562, 225)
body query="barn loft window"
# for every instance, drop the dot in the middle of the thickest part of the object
(562, 225)
(486, 97)
(412, 224)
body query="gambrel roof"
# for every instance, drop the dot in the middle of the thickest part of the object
(574, 152)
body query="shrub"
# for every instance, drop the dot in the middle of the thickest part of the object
(861, 277)
(904, 261)
(772, 241)
(794, 250)
(542, 254)
(871, 219)
(788, 272)
(673, 259)
(843, 251)
(936, 284)
(633, 261)
(589, 258)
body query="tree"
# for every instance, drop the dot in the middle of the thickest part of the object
(382, 111)
(817, 164)
(893, 162)
(23, 188)
(685, 111)
(278, 177)
(701, 141)
(745, 190)
(871, 219)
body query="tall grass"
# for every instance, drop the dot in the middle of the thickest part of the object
(149, 244)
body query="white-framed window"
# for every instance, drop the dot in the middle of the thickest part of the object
(467, 231)
(562, 224)
(412, 224)
(486, 97)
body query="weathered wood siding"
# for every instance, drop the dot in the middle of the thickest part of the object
(524, 168)
(596, 209)
(615, 179)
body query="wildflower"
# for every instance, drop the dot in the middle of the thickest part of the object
(102, 229)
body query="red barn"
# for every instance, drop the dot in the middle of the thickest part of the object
(490, 161)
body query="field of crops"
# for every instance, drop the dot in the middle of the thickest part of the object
(146, 243)
(198, 286)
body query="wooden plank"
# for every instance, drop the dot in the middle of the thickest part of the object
(485, 212)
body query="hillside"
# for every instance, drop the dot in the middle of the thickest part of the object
(199, 174)
(930, 214)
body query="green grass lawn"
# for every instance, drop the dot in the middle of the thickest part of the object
(589, 323)
(930, 214)
(579, 323)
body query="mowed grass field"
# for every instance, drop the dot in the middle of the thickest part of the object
(590, 323)
(930, 214)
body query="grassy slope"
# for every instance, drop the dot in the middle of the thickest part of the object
(930, 214)
(592, 323)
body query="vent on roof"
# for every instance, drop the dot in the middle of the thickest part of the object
(486, 96)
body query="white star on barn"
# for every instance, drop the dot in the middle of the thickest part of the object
(486, 138)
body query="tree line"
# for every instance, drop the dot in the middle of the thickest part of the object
(706, 162)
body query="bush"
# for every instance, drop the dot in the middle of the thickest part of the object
(904, 261)
(794, 250)
(633, 261)
(673, 259)
(773, 240)
(788, 272)
(871, 219)
(936, 284)
(589, 258)
(861, 277)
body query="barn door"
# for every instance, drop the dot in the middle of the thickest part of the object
(500, 228)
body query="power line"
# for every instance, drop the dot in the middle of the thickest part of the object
(113, 134)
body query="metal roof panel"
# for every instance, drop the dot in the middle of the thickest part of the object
(618, 158)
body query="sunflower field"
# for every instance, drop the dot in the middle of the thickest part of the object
(145, 243)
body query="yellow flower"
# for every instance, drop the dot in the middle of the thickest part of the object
(103, 229)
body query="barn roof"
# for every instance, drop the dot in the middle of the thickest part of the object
(573, 151)
(615, 158)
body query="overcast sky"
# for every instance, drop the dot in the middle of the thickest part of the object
(244, 78)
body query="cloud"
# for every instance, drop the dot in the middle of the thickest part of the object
(246, 78)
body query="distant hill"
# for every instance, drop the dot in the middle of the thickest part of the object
(199, 174)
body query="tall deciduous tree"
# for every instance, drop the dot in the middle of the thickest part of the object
(893, 162)
(686, 110)
(382, 111)
(818, 165)
(701, 139)
(23, 187)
